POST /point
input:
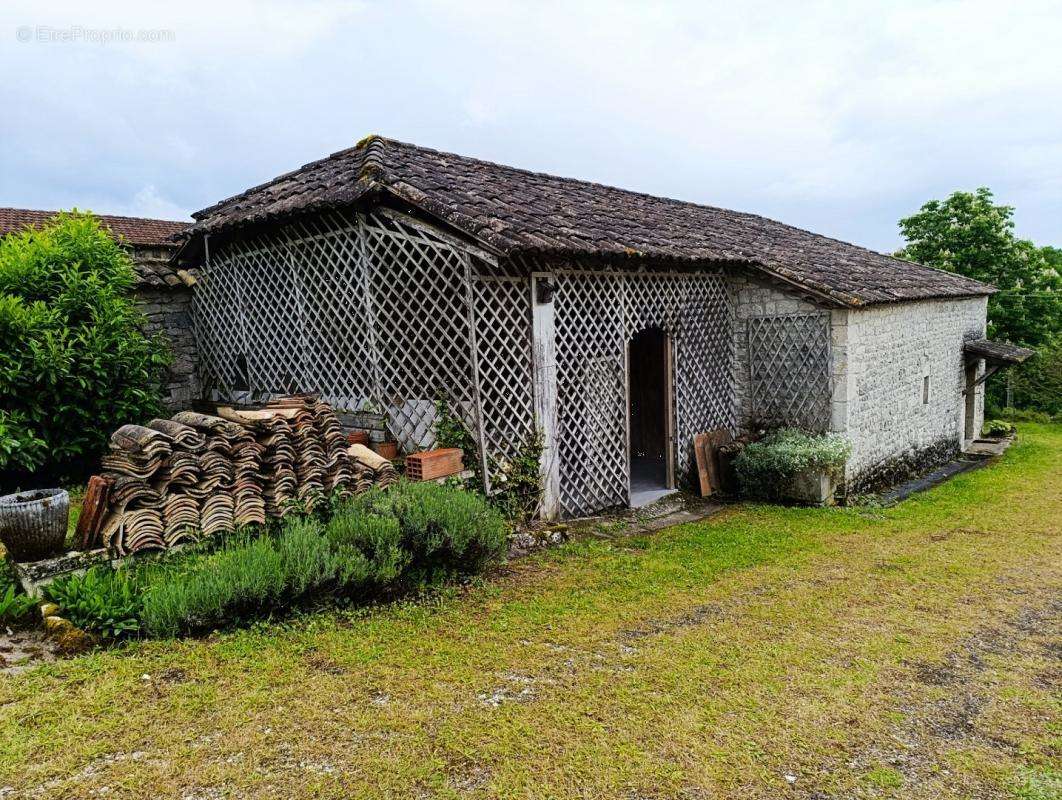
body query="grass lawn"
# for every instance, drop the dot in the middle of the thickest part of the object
(911, 652)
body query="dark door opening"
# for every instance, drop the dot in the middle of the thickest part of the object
(649, 371)
(970, 411)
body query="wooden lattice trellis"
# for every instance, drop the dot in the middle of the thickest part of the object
(789, 370)
(374, 312)
(596, 316)
(380, 311)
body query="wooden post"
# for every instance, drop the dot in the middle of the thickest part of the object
(470, 307)
(669, 409)
(544, 350)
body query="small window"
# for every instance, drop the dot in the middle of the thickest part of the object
(925, 390)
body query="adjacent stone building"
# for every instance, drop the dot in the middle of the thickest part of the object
(163, 292)
(389, 277)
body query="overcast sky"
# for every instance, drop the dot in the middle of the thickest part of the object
(839, 117)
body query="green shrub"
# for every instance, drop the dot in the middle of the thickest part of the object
(15, 605)
(242, 579)
(1036, 384)
(20, 448)
(74, 362)
(997, 427)
(247, 578)
(1026, 415)
(516, 482)
(409, 536)
(516, 485)
(368, 548)
(445, 531)
(103, 600)
(766, 468)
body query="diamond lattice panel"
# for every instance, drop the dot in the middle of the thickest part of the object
(332, 287)
(503, 342)
(596, 316)
(591, 392)
(704, 357)
(420, 315)
(218, 328)
(789, 363)
(276, 348)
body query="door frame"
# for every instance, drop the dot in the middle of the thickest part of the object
(969, 405)
(670, 435)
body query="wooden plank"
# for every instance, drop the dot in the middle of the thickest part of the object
(544, 369)
(93, 508)
(700, 442)
(714, 440)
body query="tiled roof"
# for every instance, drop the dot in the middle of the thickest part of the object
(519, 212)
(133, 230)
(153, 269)
(999, 352)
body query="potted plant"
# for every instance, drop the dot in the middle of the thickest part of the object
(791, 465)
(33, 524)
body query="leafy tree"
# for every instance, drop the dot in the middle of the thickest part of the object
(969, 234)
(74, 361)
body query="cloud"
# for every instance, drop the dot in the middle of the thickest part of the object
(836, 117)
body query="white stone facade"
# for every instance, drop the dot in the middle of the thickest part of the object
(757, 299)
(903, 386)
(896, 377)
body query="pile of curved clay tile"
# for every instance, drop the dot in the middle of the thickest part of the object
(371, 469)
(229, 456)
(136, 451)
(303, 451)
(133, 520)
(180, 518)
(199, 474)
(338, 472)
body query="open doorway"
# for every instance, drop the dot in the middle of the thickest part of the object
(649, 373)
(970, 431)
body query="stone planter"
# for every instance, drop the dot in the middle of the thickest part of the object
(33, 524)
(812, 488)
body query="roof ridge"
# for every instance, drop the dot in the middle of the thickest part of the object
(663, 198)
(554, 176)
(97, 214)
(514, 209)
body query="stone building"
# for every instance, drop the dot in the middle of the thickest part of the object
(617, 325)
(163, 292)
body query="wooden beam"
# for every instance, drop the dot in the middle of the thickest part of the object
(544, 354)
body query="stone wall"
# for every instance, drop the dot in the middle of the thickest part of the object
(898, 422)
(758, 299)
(879, 359)
(164, 296)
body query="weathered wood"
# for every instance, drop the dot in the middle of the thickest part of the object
(700, 452)
(544, 370)
(716, 439)
(93, 508)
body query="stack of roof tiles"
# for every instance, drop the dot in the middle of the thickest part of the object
(204, 474)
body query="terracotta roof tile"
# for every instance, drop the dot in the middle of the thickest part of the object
(134, 230)
(152, 270)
